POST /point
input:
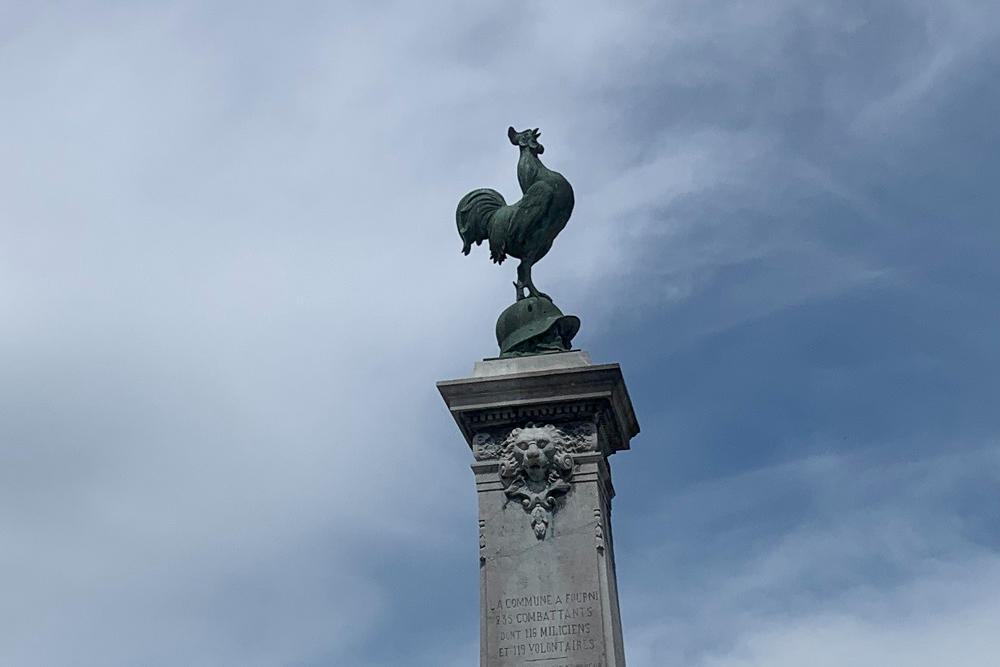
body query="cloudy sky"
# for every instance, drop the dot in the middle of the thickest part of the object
(230, 277)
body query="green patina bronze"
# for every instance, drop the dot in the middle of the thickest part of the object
(524, 230)
(535, 325)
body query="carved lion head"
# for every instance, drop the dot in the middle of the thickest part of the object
(535, 451)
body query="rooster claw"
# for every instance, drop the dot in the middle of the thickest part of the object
(532, 292)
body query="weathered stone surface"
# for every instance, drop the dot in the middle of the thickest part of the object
(541, 429)
(542, 362)
(535, 325)
(529, 389)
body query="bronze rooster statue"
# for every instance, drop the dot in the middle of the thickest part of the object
(526, 228)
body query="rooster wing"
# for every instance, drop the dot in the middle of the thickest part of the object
(529, 213)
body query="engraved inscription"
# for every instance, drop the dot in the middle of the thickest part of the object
(547, 627)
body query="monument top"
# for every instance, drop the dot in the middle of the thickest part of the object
(551, 388)
(524, 229)
(542, 421)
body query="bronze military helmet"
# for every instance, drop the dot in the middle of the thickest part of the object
(535, 326)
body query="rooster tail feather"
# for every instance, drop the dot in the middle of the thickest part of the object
(474, 213)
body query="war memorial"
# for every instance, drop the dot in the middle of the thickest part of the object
(542, 421)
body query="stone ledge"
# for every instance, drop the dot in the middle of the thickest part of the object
(538, 362)
(563, 387)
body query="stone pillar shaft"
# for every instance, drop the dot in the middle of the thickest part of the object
(541, 429)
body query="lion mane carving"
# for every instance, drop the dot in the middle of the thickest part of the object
(535, 467)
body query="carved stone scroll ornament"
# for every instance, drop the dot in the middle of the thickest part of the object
(580, 436)
(486, 447)
(535, 468)
(577, 437)
(599, 530)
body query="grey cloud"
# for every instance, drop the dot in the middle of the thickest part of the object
(229, 277)
(818, 545)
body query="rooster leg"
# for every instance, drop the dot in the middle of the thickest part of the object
(520, 284)
(524, 278)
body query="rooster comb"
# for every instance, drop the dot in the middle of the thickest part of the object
(527, 138)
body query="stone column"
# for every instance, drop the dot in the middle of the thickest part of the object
(541, 429)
